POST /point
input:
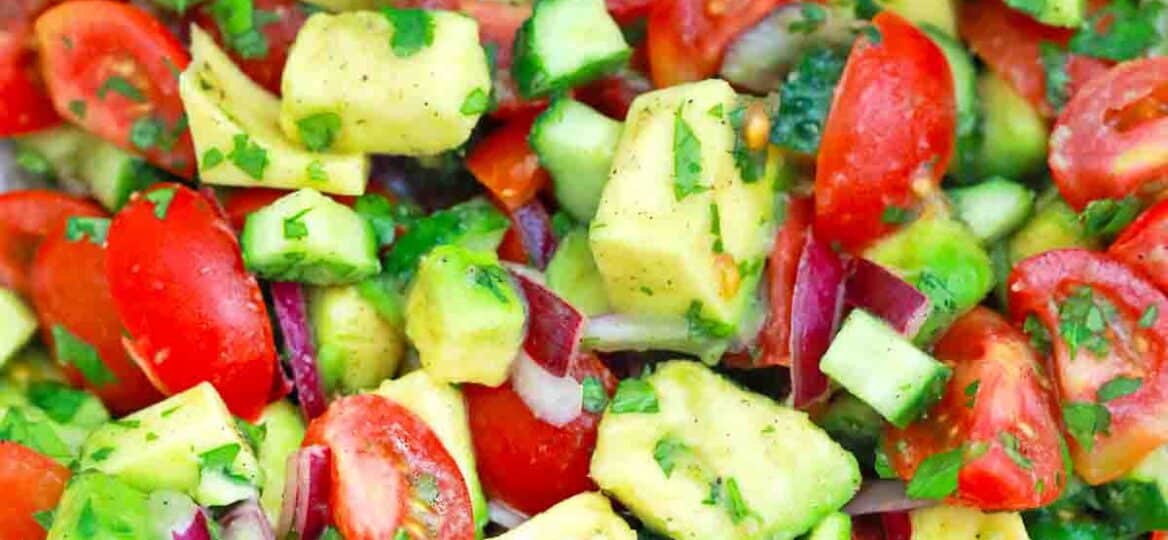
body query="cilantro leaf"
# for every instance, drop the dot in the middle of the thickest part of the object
(1054, 66)
(121, 86)
(1117, 388)
(378, 211)
(971, 393)
(595, 398)
(294, 227)
(60, 402)
(211, 158)
(895, 215)
(1083, 321)
(319, 131)
(1149, 316)
(33, 162)
(492, 278)
(634, 396)
(239, 23)
(476, 102)
(413, 29)
(936, 477)
(146, 132)
(814, 16)
(93, 229)
(735, 504)
(750, 163)
(1011, 446)
(716, 228)
(666, 453)
(1104, 218)
(316, 171)
(34, 433)
(161, 198)
(805, 98)
(883, 466)
(248, 156)
(700, 327)
(687, 160)
(73, 350)
(1039, 336)
(78, 108)
(44, 518)
(253, 433)
(1120, 31)
(1085, 420)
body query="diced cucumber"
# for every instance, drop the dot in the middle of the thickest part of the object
(882, 368)
(307, 237)
(283, 431)
(188, 442)
(1014, 135)
(19, 324)
(57, 148)
(994, 208)
(356, 347)
(587, 516)
(99, 507)
(114, 174)
(573, 275)
(1138, 502)
(853, 424)
(964, 165)
(1054, 225)
(837, 526)
(576, 144)
(566, 43)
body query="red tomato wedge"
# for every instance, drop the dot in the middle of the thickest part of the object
(390, 472)
(25, 218)
(1118, 324)
(1143, 245)
(1111, 140)
(506, 165)
(1009, 42)
(998, 403)
(113, 69)
(24, 105)
(889, 136)
(523, 461)
(687, 38)
(278, 21)
(32, 483)
(192, 312)
(69, 289)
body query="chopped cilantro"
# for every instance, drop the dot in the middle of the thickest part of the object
(91, 228)
(492, 278)
(248, 156)
(44, 518)
(1085, 420)
(595, 398)
(971, 393)
(1149, 316)
(751, 164)
(866, 9)
(806, 98)
(254, 434)
(33, 162)
(883, 465)
(401, 534)
(1010, 445)
(716, 111)
(127, 424)
(316, 171)
(1117, 388)
(687, 160)
(59, 401)
(1030, 7)
(1120, 31)
(413, 29)
(895, 215)
(36, 434)
(378, 211)
(634, 396)
(936, 477)
(716, 228)
(666, 453)
(1039, 337)
(475, 102)
(239, 22)
(211, 158)
(319, 131)
(294, 227)
(1054, 65)
(87, 525)
(82, 355)
(814, 15)
(145, 132)
(1083, 321)
(121, 86)
(875, 38)
(161, 198)
(700, 327)
(78, 108)
(221, 459)
(101, 454)
(1104, 218)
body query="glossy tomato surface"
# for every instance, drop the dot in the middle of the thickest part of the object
(687, 38)
(390, 472)
(1143, 245)
(24, 105)
(192, 312)
(32, 483)
(505, 164)
(25, 218)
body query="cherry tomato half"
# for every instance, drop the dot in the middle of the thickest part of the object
(1105, 324)
(523, 461)
(32, 483)
(889, 136)
(192, 312)
(997, 404)
(113, 68)
(1143, 245)
(390, 472)
(25, 218)
(278, 21)
(24, 105)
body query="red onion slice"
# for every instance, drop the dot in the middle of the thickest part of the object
(534, 227)
(554, 327)
(246, 521)
(555, 400)
(816, 306)
(306, 510)
(504, 515)
(177, 517)
(873, 288)
(880, 496)
(897, 525)
(288, 298)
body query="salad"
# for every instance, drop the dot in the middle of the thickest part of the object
(583, 269)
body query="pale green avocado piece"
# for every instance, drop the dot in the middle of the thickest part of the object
(575, 143)
(19, 324)
(465, 316)
(587, 516)
(940, 256)
(770, 472)
(416, 104)
(178, 444)
(941, 14)
(573, 275)
(944, 522)
(230, 115)
(837, 526)
(1067, 13)
(356, 347)
(1054, 225)
(96, 506)
(657, 247)
(966, 145)
(442, 408)
(283, 429)
(58, 146)
(1014, 134)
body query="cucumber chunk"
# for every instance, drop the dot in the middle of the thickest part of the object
(837, 526)
(690, 473)
(883, 369)
(1014, 135)
(587, 516)
(99, 507)
(576, 144)
(566, 43)
(114, 174)
(356, 347)
(573, 275)
(964, 165)
(19, 324)
(994, 208)
(283, 431)
(307, 237)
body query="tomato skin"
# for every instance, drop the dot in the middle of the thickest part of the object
(205, 319)
(375, 444)
(1011, 396)
(1111, 140)
(523, 461)
(32, 483)
(26, 216)
(1139, 421)
(268, 70)
(900, 89)
(69, 288)
(1143, 245)
(506, 165)
(24, 105)
(80, 50)
(686, 39)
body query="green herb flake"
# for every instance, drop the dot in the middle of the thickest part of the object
(866, 9)
(875, 38)
(814, 15)
(90, 228)
(220, 458)
(212, 158)
(1039, 337)
(87, 525)
(82, 355)
(493, 279)
(1083, 321)
(634, 396)
(78, 108)
(413, 30)
(971, 393)
(1120, 31)
(1010, 445)
(687, 160)
(316, 172)
(716, 111)
(36, 434)
(151, 436)
(595, 398)
(161, 198)
(1085, 420)
(805, 98)
(378, 212)
(319, 131)
(145, 132)
(735, 504)
(401, 534)
(101, 454)
(254, 434)
(126, 424)
(883, 465)
(294, 227)
(1054, 65)
(60, 402)
(716, 229)
(895, 215)
(666, 453)
(476, 102)
(44, 518)
(936, 477)
(248, 156)
(1149, 316)
(751, 164)
(1117, 388)
(33, 162)
(1104, 218)
(120, 85)
(239, 22)
(700, 327)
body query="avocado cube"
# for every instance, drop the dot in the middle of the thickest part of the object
(587, 516)
(465, 316)
(19, 324)
(96, 506)
(188, 442)
(662, 242)
(572, 274)
(356, 347)
(1014, 134)
(716, 462)
(283, 431)
(963, 523)
(1054, 225)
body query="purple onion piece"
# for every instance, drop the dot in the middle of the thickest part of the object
(554, 327)
(876, 290)
(881, 496)
(534, 226)
(288, 298)
(816, 306)
(306, 504)
(246, 521)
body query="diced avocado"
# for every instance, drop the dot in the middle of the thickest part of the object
(235, 126)
(683, 469)
(188, 442)
(95, 506)
(442, 408)
(305, 236)
(566, 43)
(19, 324)
(575, 143)
(962, 523)
(572, 274)
(1014, 135)
(1138, 502)
(882, 368)
(464, 316)
(836, 526)
(356, 348)
(853, 424)
(1067, 13)
(994, 208)
(677, 226)
(113, 174)
(1054, 225)
(940, 14)
(587, 516)
(964, 165)
(413, 95)
(56, 147)
(283, 431)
